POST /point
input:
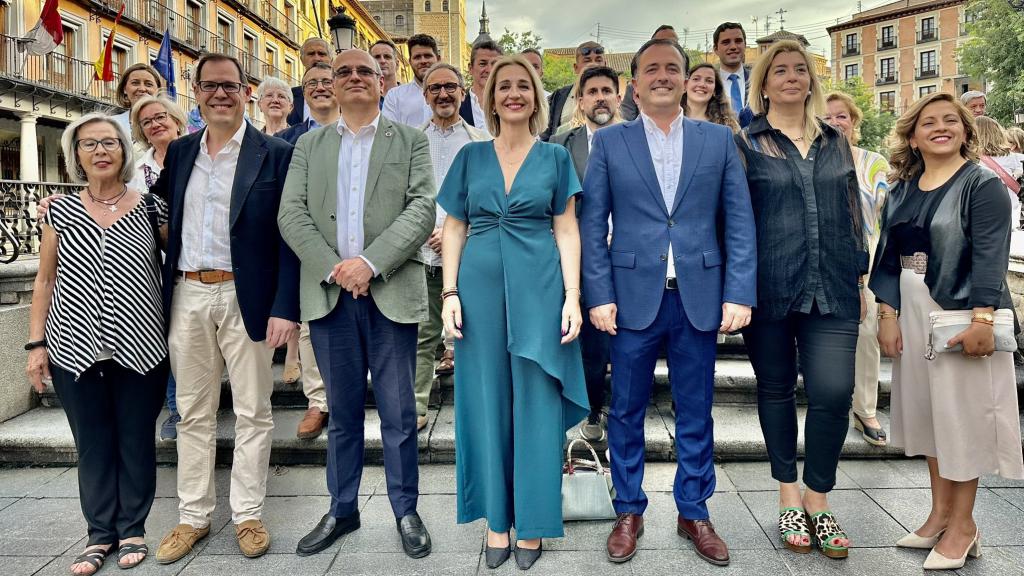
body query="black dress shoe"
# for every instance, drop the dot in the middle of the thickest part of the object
(327, 531)
(495, 557)
(525, 557)
(415, 538)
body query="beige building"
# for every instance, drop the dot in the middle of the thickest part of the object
(904, 49)
(445, 20)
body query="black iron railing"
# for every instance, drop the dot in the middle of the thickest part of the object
(69, 76)
(20, 231)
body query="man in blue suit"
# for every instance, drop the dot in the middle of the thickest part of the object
(680, 267)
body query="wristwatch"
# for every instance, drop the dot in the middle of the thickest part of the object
(36, 344)
(984, 316)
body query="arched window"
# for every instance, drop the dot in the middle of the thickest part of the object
(399, 20)
(426, 6)
(444, 6)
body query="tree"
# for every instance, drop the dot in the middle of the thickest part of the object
(557, 72)
(994, 52)
(516, 42)
(876, 125)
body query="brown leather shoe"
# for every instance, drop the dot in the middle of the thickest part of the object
(312, 423)
(421, 423)
(447, 363)
(622, 541)
(253, 538)
(179, 543)
(706, 542)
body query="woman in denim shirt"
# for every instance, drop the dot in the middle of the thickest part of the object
(811, 258)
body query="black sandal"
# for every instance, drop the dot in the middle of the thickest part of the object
(128, 548)
(93, 556)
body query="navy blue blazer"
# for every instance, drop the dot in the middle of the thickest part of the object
(291, 134)
(265, 268)
(466, 111)
(298, 106)
(710, 226)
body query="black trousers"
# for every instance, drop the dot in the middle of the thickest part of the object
(112, 412)
(824, 349)
(594, 345)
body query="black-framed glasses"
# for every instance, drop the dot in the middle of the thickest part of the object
(448, 87)
(314, 83)
(588, 50)
(159, 117)
(363, 72)
(228, 87)
(90, 144)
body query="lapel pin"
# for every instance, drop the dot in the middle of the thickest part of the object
(387, 133)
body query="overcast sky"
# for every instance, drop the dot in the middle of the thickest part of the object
(625, 24)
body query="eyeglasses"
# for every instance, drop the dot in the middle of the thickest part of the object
(154, 118)
(312, 84)
(361, 71)
(229, 87)
(448, 87)
(90, 144)
(588, 50)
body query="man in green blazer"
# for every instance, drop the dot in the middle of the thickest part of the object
(357, 205)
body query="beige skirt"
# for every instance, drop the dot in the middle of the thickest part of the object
(961, 411)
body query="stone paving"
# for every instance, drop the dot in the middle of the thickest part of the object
(41, 527)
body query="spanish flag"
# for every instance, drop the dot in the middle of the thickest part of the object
(105, 64)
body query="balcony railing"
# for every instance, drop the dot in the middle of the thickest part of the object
(254, 68)
(224, 46)
(20, 232)
(927, 35)
(887, 43)
(70, 77)
(922, 73)
(149, 13)
(851, 49)
(192, 35)
(279, 21)
(887, 78)
(157, 16)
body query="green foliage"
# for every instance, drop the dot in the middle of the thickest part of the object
(994, 52)
(516, 42)
(876, 125)
(557, 73)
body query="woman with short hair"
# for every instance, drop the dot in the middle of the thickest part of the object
(275, 101)
(705, 98)
(97, 329)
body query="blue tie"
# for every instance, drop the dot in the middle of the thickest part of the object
(734, 93)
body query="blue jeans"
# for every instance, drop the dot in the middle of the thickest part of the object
(172, 404)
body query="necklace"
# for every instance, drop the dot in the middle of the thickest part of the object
(511, 160)
(110, 203)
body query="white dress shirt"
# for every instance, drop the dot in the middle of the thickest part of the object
(667, 155)
(723, 76)
(479, 118)
(405, 104)
(206, 220)
(445, 143)
(353, 166)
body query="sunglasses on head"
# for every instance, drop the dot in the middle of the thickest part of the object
(588, 50)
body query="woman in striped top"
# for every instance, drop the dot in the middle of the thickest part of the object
(97, 330)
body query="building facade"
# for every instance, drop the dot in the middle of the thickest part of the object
(905, 50)
(40, 95)
(445, 20)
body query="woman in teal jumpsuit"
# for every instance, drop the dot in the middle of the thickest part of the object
(519, 381)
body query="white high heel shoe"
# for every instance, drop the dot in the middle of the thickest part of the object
(936, 561)
(912, 540)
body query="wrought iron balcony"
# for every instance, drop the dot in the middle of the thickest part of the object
(889, 43)
(922, 73)
(154, 16)
(887, 78)
(254, 68)
(20, 232)
(927, 35)
(273, 20)
(851, 49)
(52, 76)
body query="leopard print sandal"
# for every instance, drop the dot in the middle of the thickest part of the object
(793, 522)
(825, 529)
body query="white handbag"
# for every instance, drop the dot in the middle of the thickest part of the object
(945, 324)
(587, 490)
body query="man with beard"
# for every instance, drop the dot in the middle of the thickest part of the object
(731, 47)
(598, 99)
(405, 104)
(447, 132)
(386, 54)
(481, 59)
(562, 103)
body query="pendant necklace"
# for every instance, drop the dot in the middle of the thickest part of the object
(110, 203)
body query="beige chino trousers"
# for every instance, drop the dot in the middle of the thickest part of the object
(206, 333)
(312, 383)
(865, 387)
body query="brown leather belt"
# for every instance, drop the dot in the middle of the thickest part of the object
(918, 262)
(209, 276)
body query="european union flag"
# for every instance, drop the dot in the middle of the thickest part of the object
(164, 63)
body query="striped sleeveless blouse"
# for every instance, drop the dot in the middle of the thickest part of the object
(106, 298)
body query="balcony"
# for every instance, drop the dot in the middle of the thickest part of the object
(52, 76)
(154, 16)
(851, 49)
(224, 46)
(887, 78)
(927, 35)
(273, 20)
(20, 231)
(923, 73)
(887, 43)
(254, 68)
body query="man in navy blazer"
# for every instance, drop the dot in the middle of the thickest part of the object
(313, 50)
(230, 294)
(679, 269)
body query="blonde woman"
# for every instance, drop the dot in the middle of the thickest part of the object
(944, 245)
(996, 154)
(512, 301)
(811, 257)
(872, 168)
(1015, 135)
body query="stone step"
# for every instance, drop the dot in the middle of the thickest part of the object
(42, 437)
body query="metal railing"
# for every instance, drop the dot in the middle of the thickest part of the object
(887, 43)
(927, 35)
(887, 78)
(922, 73)
(157, 16)
(278, 21)
(254, 67)
(69, 76)
(851, 49)
(20, 231)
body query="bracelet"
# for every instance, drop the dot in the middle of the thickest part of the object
(884, 315)
(447, 296)
(981, 321)
(577, 290)
(449, 292)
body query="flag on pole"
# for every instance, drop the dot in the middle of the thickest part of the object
(105, 64)
(47, 34)
(164, 63)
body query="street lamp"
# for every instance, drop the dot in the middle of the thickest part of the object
(1018, 116)
(343, 30)
(1017, 5)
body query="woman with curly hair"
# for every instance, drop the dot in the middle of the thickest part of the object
(705, 100)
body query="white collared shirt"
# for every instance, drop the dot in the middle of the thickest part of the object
(479, 118)
(723, 75)
(445, 143)
(590, 138)
(667, 156)
(353, 167)
(206, 220)
(405, 104)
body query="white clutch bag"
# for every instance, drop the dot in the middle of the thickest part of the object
(945, 324)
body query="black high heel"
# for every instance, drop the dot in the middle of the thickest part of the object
(525, 557)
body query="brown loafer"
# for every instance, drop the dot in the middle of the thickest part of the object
(179, 543)
(706, 542)
(312, 423)
(447, 363)
(253, 538)
(622, 541)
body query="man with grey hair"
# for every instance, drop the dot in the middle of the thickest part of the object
(313, 50)
(975, 101)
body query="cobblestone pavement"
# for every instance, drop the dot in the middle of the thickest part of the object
(41, 527)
